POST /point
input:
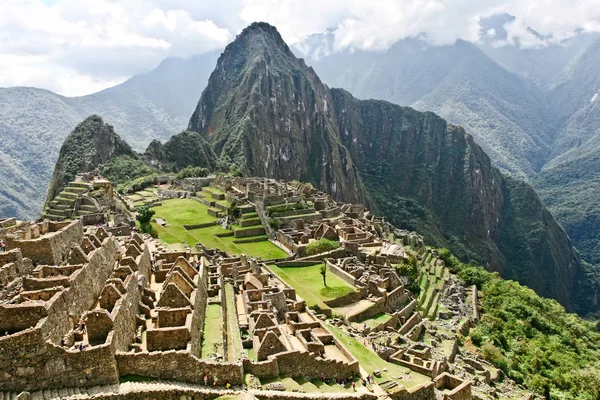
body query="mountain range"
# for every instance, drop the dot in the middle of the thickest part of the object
(533, 111)
(34, 123)
(265, 112)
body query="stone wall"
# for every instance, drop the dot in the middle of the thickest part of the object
(30, 363)
(177, 365)
(124, 315)
(161, 339)
(353, 297)
(422, 392)
(53, 247)
(13, 265)
(296, 363)
(83, 292)
(241, 233)
(199, 311)
(341, 273)
(94, 219)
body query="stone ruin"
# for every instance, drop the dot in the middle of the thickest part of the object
(87, 306)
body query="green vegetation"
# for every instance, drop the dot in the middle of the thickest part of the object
(410, 269)
(533, 339)
(308, 284)
(371, 361)
(124, 168)
(212, 341)
(144, 216)
(91, 144)
(321, 246)
(376, 320)
(192, 172)
(234, 341)
(274, 210)
(179, 212)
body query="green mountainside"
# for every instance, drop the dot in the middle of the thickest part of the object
(269, 114)
(91, 144)
(181, 150)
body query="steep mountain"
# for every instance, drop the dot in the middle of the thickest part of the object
(34, 123)
(91, 144)
(269, 114)
(501, 110)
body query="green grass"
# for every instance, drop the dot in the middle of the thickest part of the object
(177, 212)
(213, 332)
(371, 361)
(308, 283)
(377, 320)
(234, 341)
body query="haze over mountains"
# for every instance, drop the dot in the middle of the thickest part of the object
(534, 112)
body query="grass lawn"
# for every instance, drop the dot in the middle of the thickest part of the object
(177, 212)
(308, 283)
(370, 361)
(376, 320)
(314, 386)
(213, 330)
(234, 341)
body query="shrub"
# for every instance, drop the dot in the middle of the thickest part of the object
(321, 246)
(275, 223)
(136, 184)
(192, 172)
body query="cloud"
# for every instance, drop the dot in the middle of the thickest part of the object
(79, 46)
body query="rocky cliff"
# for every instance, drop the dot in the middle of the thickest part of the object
(267, 113)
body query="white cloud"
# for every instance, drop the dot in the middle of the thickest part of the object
(79, 46)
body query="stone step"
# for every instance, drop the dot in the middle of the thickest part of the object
(67, 195)
(88, 207)
(53, 217)
(84, 185)
(65, 212)
(86, 212)
(75, 190)
(65, 200)
(61, 207)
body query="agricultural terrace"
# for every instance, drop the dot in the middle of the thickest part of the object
(180, 212)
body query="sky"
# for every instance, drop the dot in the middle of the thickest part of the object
(77, 47)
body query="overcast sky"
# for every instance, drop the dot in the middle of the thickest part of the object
(76, 47)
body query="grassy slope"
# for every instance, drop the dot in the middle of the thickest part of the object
(370, 361)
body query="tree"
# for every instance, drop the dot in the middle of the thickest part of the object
(324, 274)
(144, 214)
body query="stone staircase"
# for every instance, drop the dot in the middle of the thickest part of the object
(63, 205)
(154, 389)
